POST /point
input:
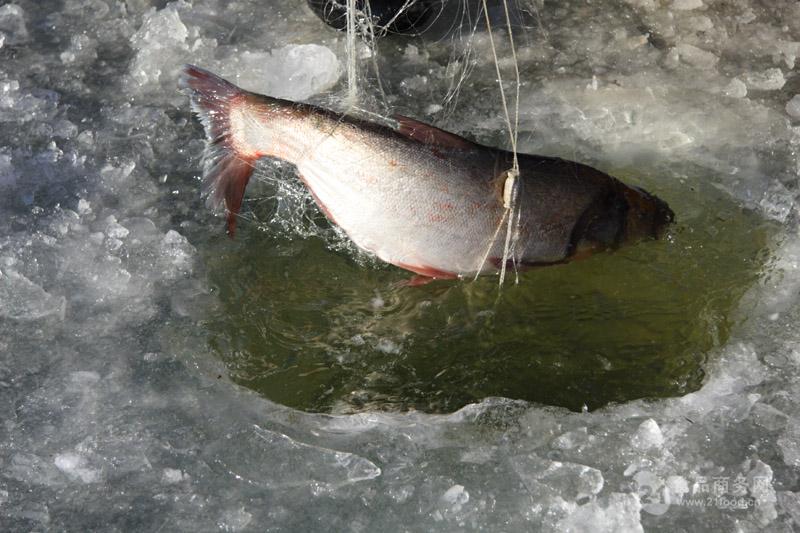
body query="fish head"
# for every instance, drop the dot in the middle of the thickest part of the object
(624, 215)
(647, 216)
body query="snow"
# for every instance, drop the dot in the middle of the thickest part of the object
(118, 416)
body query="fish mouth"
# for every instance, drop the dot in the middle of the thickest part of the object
(648, 215)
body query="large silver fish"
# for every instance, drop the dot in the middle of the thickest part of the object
(416, 196)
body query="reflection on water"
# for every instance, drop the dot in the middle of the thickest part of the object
(313, 329)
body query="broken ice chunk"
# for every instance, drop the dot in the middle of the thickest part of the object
(648, 435)
(700, 23)
(82, 49)
(74, 466)
(172, 475)
(687, 5)
(759, 483)
(570, 481)
(12, 24)
(21, 299)
(293, 71)
(456, 496)
(8, 174)
(771, 79)
(114, 229)
(176, 255)
(30, 468)
(793, 107)
(84, 207)
(696, 57)
(735, 89)
(777, 202)
(619, 512)
(234, 519)
(65, 129)
(789, 50)
(572, 439)
(82, 380)
(270, 459)
(789, 445)
(160, 37)
(769, 418)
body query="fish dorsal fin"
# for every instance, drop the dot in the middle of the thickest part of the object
(430, 135)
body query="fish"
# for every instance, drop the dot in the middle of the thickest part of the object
(418, 197)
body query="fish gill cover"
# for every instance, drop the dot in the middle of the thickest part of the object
(120, 409)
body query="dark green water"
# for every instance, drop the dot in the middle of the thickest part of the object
(314, 329)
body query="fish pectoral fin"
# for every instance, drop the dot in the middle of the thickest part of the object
(226, 171)
(430, 135)
(425, 270)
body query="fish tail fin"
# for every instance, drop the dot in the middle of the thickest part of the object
(226, 170)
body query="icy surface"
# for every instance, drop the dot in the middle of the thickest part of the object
(116, 416)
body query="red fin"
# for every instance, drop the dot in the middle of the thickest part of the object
(226, 171)
(430, 135)
(427, 271)
(228, 179)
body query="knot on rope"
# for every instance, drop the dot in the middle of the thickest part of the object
(510, 187)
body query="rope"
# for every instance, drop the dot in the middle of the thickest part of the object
(352, 60)
(512, 130)
(511, 183)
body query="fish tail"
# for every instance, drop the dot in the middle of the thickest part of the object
(226, 169)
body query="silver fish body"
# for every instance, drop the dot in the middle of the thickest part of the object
(416, 196)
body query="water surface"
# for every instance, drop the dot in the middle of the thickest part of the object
(318, 329)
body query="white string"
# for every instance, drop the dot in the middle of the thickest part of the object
(512, 130)
(491, 242)
(352, 59)
(510, 185)
(510, 188)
